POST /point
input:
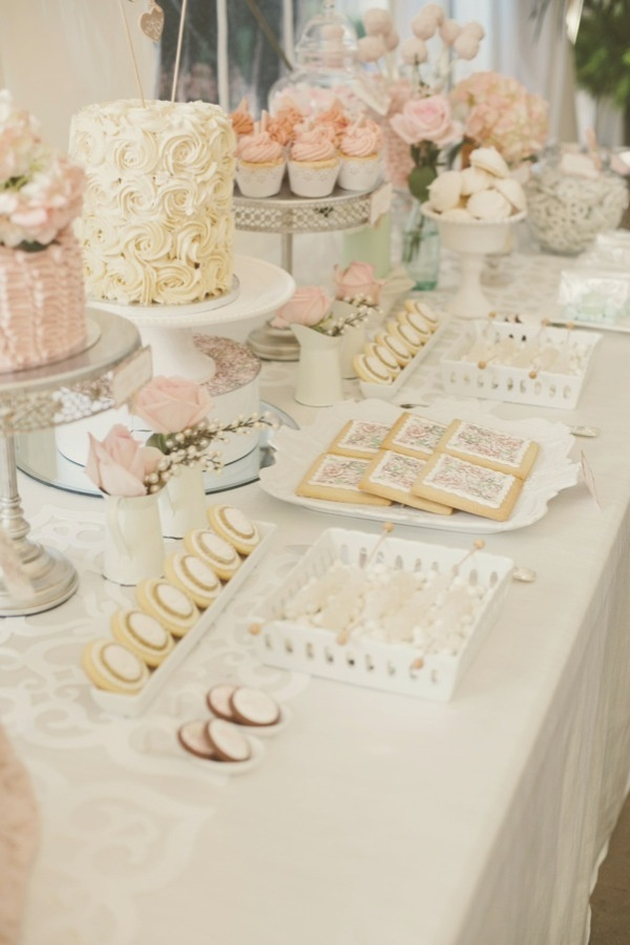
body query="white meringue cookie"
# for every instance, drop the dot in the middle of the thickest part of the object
(458, 213)
(512, 191)
(475, 179)
(489, 205)
(489, 159)
(445, 191)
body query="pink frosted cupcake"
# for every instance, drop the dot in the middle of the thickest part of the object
(313, 163)
(260, 165)
(360, 153)
(242, 121)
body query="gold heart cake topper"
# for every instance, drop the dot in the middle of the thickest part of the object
(152, 22)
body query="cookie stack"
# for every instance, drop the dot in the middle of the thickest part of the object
(166, 609)
(393, 348)
(423, 464)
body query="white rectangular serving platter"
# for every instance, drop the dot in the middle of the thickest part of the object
(132, 706)
(389, 391)
(367, 662)
(511, 384)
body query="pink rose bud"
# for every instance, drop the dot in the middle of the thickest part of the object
(358, 280)
(170, 404)
(309, 306)
(377, 22)
(414, 51)
(118, 465)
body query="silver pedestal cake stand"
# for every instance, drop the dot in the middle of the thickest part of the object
(288, 215)
(37, 399)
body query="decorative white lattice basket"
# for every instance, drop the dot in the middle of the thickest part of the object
(514, 384)
(399, 667)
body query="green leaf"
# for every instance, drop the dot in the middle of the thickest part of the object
(419, 180)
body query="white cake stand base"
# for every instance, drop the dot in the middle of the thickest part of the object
(472, 240)
(260, 287)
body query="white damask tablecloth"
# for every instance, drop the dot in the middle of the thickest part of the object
(371, 818)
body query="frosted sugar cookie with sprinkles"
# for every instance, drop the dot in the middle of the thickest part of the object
(114, 668)
(143, 634)
(492, 448)
(337, 478)
(233, 525)
(414, 436)
(215, 551)
(194, 577)
(168, 604)
(359, 438)
(468, 486)
(392, 475)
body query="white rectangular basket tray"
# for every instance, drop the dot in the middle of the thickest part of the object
(363, 661)
(513, 384)
(132, 706)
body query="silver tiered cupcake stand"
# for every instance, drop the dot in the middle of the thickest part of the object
(288, 215)
(36, 399)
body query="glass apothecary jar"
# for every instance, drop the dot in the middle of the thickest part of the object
(571, 197)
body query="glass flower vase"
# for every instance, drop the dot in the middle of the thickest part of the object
(421, 248)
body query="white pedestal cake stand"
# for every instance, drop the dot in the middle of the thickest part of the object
(260, 287)
(38, 399)
(472, 240)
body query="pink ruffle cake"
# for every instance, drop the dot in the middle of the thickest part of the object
(42, 304)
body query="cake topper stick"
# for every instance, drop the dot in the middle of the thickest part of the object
(134, 61)
(178, 55)
(387, 529)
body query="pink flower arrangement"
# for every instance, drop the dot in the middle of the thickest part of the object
(171, 404)
(417, 115)
(498, 111)
(119, 465)
(41, 191)
(427, 119)
(357, 281)
(309, 305)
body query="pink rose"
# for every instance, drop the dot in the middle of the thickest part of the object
(358, 279)
(170, 404)
(118, 465)
(309, 305)
(426, 119)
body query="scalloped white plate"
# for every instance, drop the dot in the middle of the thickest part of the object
(297, 449)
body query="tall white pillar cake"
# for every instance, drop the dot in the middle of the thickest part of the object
(157, 224)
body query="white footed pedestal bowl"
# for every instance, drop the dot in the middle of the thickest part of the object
(473, 240)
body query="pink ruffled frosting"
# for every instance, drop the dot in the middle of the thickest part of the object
(362, 140)
(242, 121)
(259, 148)
(313, 145)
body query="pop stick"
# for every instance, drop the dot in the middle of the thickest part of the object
(344, 634)
(134, 61)
(178, 55)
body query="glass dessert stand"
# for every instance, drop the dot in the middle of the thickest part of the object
(288, 215)
(38, 399)
(472, 240)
